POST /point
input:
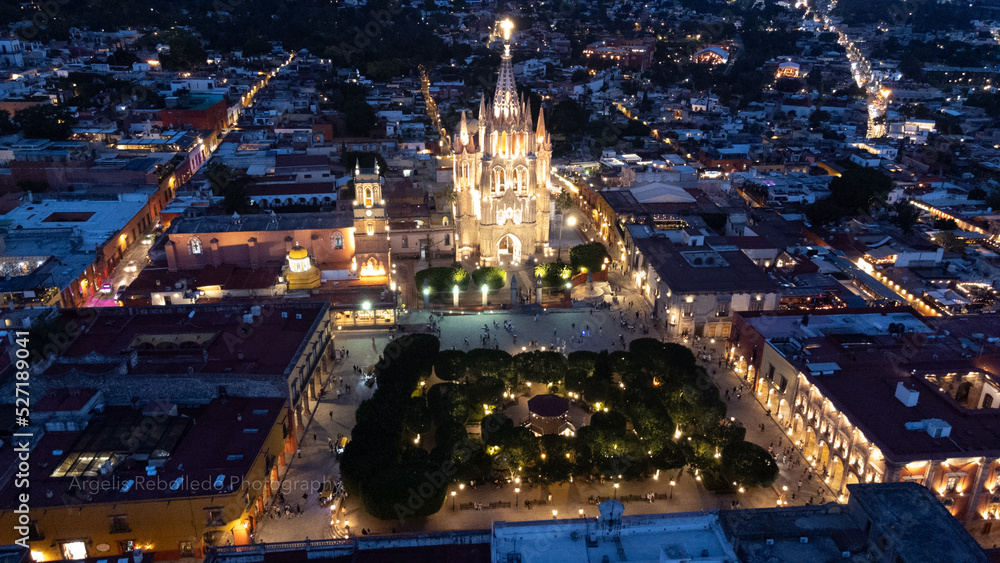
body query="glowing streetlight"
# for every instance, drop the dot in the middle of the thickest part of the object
(454, 293)
(569, 221)
(517, 496)
(486, 290)
(672, 483)
(453, 493)
(616, 491)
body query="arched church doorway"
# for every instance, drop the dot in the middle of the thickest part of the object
(509, 249)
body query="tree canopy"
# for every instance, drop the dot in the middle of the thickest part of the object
(44, 121)
(588, 257)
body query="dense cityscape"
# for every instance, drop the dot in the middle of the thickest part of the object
(500, 282)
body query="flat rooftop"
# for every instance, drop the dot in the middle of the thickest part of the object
(194, 445)
(907, 512)
(193, 339)
(882, 417)
(870, 323)
(648, 538)
(903, 512)
(96, 220)
(687, 269)
(262, 222)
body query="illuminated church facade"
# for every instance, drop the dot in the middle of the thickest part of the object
(501, 176)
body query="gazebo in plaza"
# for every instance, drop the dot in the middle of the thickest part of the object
(549, 414)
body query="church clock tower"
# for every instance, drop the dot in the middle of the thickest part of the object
(501, 176)
(371, 225)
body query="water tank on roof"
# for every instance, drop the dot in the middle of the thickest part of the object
(906, 395)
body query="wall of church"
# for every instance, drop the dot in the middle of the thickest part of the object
(257, 248)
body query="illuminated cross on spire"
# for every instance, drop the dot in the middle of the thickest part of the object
(506, 25)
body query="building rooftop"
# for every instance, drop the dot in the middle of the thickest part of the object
(191, 448)
(96, 220)
(467, 546)
(648, 538)
(854, 321)
(685, 270)
(195, 339)
(262, 222)
(905, 512)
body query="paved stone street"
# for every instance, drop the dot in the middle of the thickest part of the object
(552, 327)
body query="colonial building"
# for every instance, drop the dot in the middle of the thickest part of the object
(883, 395)
(501, 176)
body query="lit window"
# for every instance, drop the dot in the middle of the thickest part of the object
(370, 228)
(74, 550)
(194, 245)
(369, 200)
(338, 241)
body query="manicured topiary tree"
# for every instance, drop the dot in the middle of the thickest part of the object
(494, 278)
(442, 280)
(587, 257)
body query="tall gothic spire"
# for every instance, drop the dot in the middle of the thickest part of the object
(463, 131)
(540, 130)
(505, 99)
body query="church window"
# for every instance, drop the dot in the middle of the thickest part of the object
(447, 241)
(522, 179)
(444, 221)
(406, 242)
(369, 200)
(370, 228)
(338, 241)
(194, 245)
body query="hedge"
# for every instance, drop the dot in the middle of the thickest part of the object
(495, 278)
(442, 279)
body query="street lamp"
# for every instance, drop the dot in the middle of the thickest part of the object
(453, 493)
(554, 513)
(616, 491)
(454, 292)
(569, 221)
(672, 483)
(486, 290)
(517, 496)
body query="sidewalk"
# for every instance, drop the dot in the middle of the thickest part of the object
(752, 415)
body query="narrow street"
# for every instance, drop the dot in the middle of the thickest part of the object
(136, 255)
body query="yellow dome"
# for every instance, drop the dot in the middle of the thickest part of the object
(298, 253)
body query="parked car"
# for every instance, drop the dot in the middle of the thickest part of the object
(121, 292)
